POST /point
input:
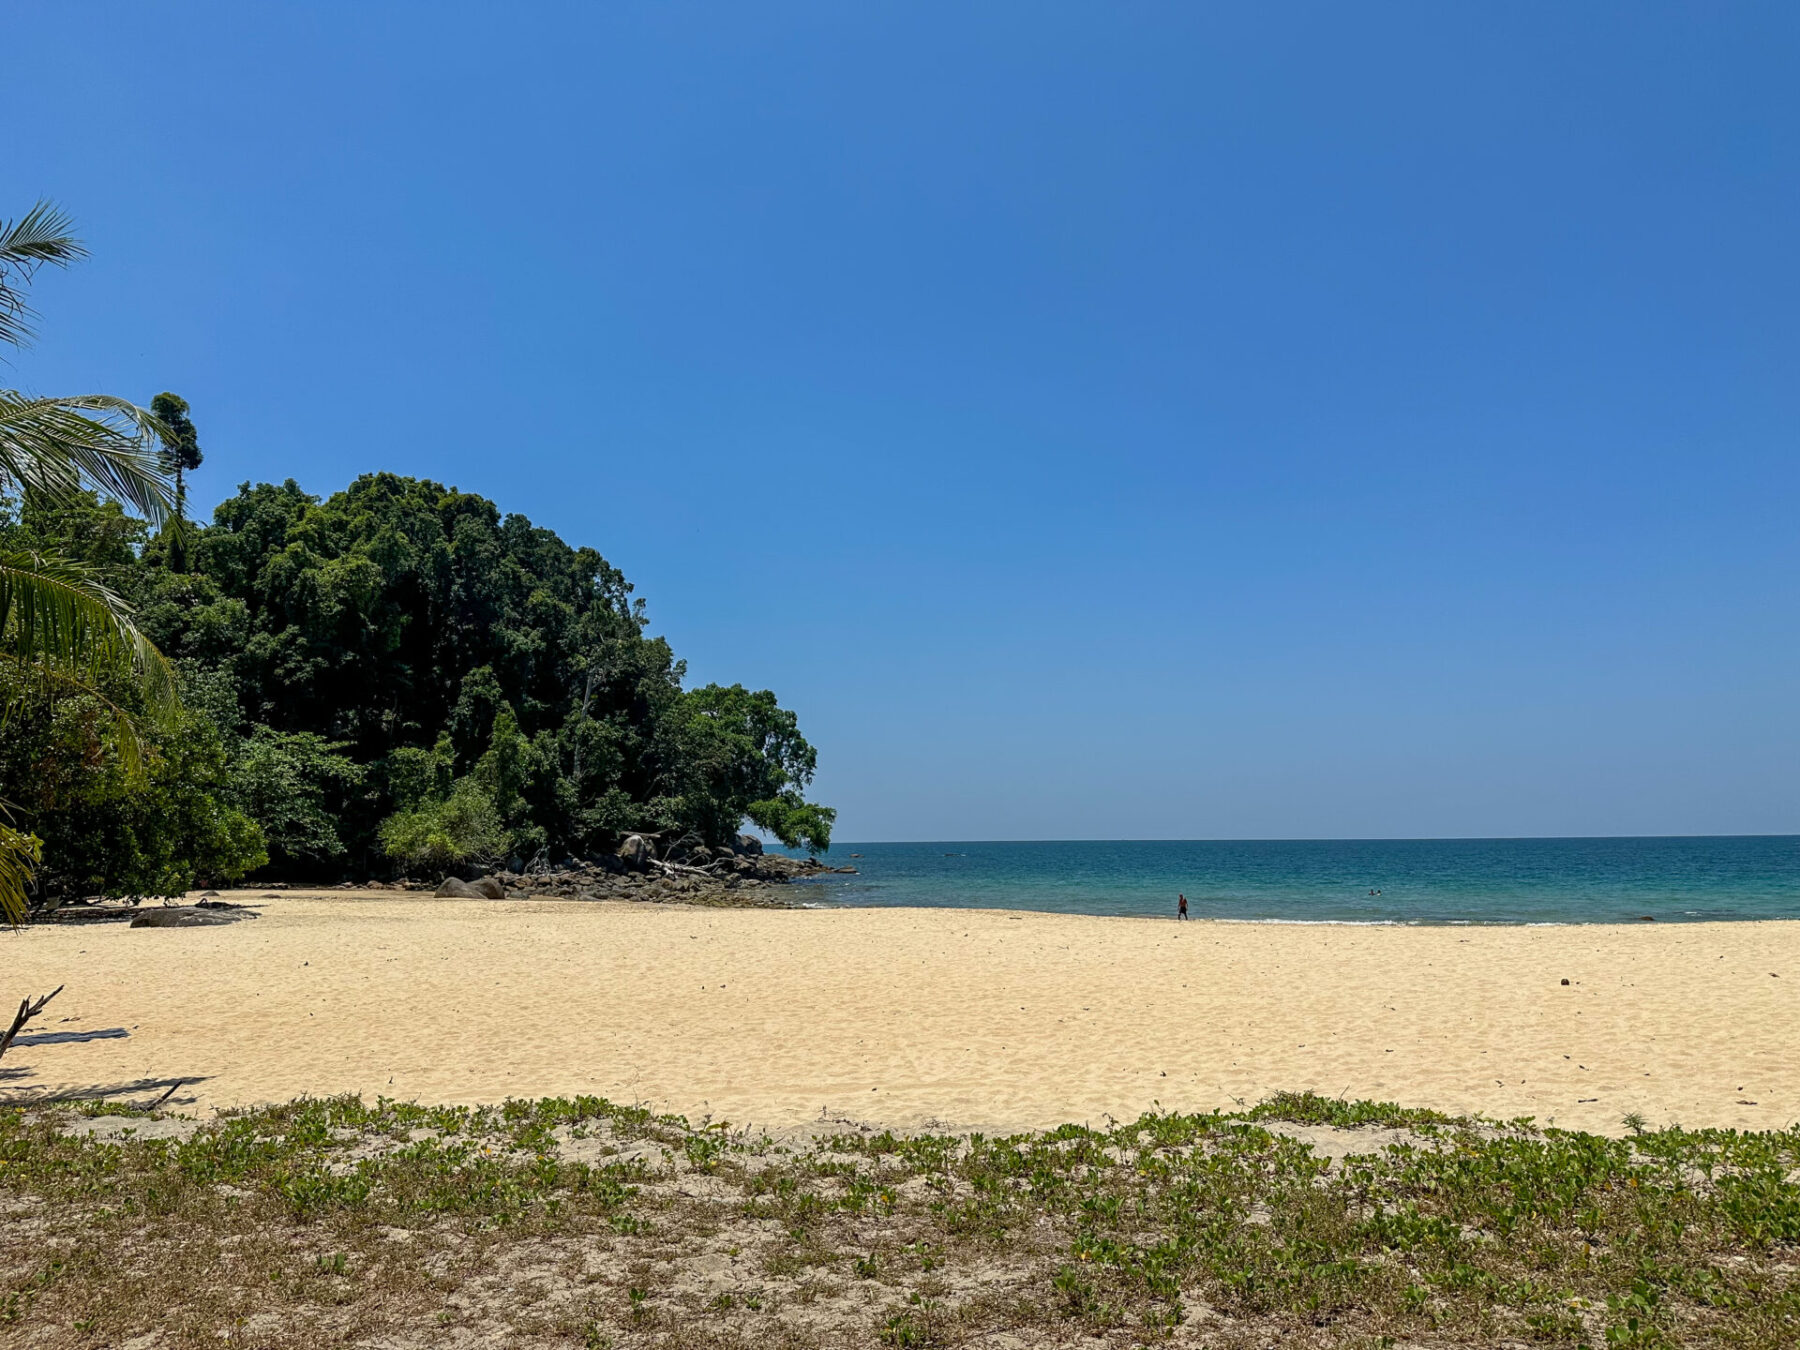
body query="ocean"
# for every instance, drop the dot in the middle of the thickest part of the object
(1400, 881)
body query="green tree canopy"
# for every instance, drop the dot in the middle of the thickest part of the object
(402, 652)
(181, 443)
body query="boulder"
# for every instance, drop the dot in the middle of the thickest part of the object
(749, 844)
(185, 916)
(636, 851)
(482, 888)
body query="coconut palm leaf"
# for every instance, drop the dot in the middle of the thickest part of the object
(19, 855)
(42, 235)
(61, 614)
(54, 682)
(59, 445)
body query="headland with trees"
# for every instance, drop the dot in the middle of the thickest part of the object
(395, 679)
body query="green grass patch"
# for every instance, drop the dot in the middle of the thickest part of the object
(579, 1219)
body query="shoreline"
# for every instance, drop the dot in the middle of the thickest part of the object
(1297, 923)
(248, 898)
(979, 1019)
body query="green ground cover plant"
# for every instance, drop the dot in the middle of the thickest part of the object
(1302, 1221)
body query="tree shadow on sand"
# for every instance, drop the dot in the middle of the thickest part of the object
(160, 1091)
(71, 1037)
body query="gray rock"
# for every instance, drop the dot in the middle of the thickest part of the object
(483, 888)
(636, 851)
(749, 844)
(186, 916)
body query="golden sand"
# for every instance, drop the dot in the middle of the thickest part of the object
(979, 1019)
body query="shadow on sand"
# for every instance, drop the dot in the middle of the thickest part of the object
(65, 1037)
(153, 1091)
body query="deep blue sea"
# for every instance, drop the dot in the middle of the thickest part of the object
(1412, 881)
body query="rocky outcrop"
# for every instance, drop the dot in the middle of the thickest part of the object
(701, 877)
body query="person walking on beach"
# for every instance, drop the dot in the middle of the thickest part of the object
(1181, 907)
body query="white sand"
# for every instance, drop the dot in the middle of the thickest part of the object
(972, 1018)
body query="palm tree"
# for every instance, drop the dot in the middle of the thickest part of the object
(58, 615)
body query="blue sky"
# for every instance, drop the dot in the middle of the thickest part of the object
(1142, 420)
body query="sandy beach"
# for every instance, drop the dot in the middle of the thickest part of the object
(975, 1019)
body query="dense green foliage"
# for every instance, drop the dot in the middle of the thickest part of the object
(397, 677)
(150, 828)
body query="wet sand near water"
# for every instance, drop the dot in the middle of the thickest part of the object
(965, 1018)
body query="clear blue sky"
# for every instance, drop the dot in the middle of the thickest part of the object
(1119, 420)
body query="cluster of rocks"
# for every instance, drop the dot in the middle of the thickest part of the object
(681, 873)
(691, 874)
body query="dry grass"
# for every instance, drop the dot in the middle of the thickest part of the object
(1304, 1222)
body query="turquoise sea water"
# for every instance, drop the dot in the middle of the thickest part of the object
(1418, 880)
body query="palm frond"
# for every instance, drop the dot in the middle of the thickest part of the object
(61, 613)
(44, 234)
(20, 853)
(58, 445)
(62, 682)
